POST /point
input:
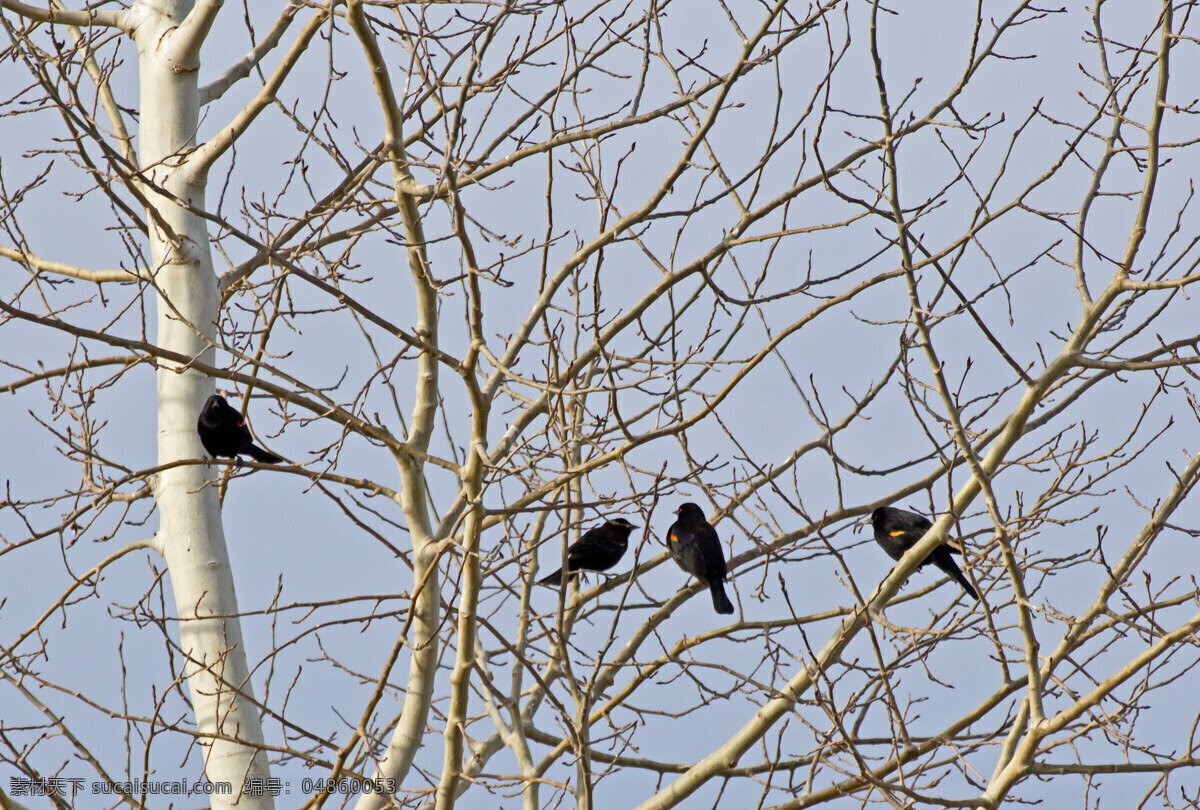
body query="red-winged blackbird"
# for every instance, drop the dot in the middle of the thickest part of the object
(598, 550)
(896, 531)
(695, 546)
(223, 432)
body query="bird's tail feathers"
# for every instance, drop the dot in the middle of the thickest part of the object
(265, 456)
(721, 602)
(948, 566)
(553, 580)
(966, 586)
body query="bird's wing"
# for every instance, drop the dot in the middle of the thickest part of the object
(714, 557)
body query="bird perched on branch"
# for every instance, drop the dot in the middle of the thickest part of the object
(695, 546)
(223, 432)
(598, 550)
(896, 531)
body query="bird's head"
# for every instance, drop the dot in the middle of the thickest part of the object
(622, 523)
(878, 516)
(690, 510)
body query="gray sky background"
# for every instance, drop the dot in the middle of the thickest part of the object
(289, 545)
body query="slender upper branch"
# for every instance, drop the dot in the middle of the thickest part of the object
(205, 155)
(84, 18)
(120, 276)
(216, 88)
(181, 46)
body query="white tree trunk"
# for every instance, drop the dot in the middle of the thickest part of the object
(191, 537)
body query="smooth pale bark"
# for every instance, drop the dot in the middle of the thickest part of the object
(191, 536)
(423, 642)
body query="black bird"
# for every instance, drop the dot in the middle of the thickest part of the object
(896, 531)
(695, 546)
(598, 550)
(223, 432)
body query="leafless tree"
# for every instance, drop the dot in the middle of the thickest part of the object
(560, 262)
